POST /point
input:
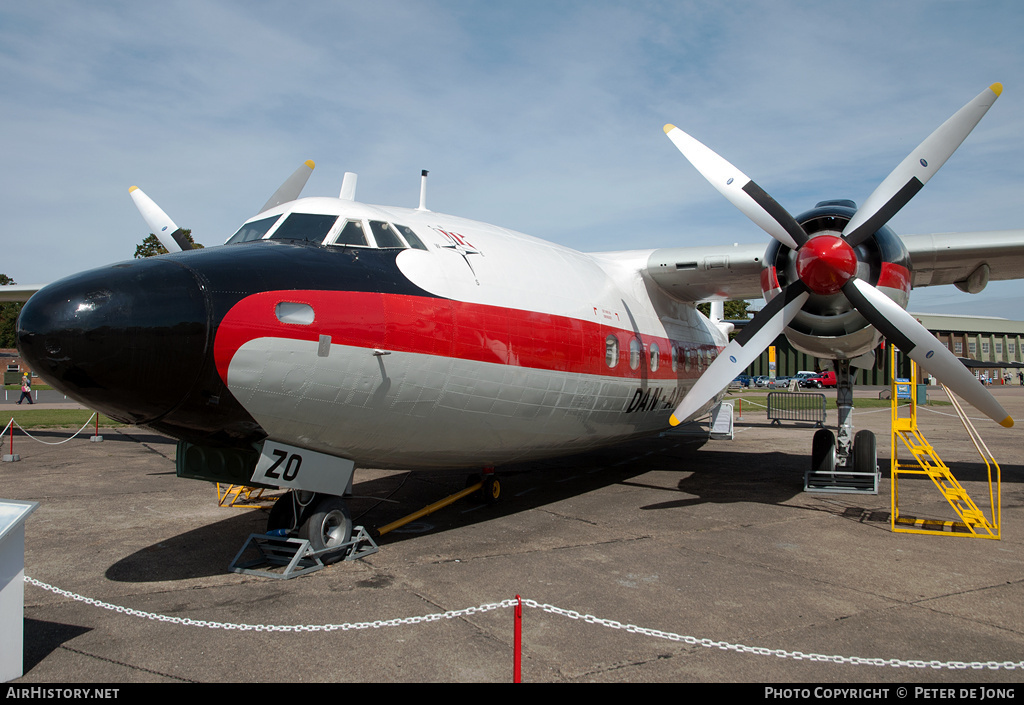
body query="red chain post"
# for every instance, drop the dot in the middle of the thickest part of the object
(517, 655)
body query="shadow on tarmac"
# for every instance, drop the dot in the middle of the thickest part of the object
(706, 476)
(43, 638)
(710, 476)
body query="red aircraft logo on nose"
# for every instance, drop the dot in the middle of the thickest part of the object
(825, 264)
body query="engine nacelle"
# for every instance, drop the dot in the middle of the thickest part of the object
(828, 326)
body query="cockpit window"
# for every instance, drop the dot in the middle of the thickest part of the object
(253, 231)
(411, 237)
(351, 234)
(384, 235)
(305, 226)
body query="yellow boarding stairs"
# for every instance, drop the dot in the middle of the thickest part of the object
(241, 496)
(973, 521)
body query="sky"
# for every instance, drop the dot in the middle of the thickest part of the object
(543, 117)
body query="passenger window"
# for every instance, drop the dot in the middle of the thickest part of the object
(675, 358)
(253, 231)
(655, 357)
(411, 237)
(305, 226)
(351, 234)
(384, 235)
(635, 353)
(611, 351)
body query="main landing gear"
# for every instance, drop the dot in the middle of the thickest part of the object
(843, 462)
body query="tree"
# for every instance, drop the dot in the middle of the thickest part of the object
(8, 317)
(735, 309)
(151, 245)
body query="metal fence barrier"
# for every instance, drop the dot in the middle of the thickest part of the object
(791, 406)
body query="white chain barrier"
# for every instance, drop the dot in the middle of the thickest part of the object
(46, 443)
(550, 609)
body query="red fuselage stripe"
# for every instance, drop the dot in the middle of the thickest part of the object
(442, 327)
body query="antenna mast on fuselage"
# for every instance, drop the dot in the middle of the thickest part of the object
(423, 190)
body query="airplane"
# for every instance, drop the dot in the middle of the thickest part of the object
(328, 334)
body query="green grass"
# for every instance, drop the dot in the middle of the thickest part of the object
(54, 418)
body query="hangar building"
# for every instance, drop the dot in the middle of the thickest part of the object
(992, 347)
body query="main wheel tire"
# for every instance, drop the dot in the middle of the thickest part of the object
(865, 452)
(328, 525)
(823, 451)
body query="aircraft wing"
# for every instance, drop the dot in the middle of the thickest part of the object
(968, 260)
(18, 292)
(699, 273)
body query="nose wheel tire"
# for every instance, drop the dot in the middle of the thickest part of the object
(282, 514)
(327, 526)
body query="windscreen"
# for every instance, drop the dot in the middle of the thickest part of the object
(253, 231)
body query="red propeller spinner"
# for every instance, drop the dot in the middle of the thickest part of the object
(825, 263)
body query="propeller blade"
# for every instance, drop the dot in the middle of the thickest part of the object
(902, 330)
(741, 191)
(920, 165)
(757, 335)
(292, 187)
(160, 224)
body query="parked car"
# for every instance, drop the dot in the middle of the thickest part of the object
(744, 380)
(761, 381)
(824, 379)
(779, 383)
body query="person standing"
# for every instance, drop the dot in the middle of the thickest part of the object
(26, 389)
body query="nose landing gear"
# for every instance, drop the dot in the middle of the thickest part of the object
(323, 520)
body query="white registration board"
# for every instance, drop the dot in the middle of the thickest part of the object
(287, 466)
(13, 514)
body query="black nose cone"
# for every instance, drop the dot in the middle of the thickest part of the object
(128, 340)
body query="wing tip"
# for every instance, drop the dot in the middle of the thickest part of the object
(1007, 422)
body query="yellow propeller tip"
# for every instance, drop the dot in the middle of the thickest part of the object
(310, 163)
(132, 188)
(996, 88)
(673, 420)
(669, 127)
(1007, 422)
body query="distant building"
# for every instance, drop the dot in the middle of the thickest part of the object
(990, 347)
(13, 366)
